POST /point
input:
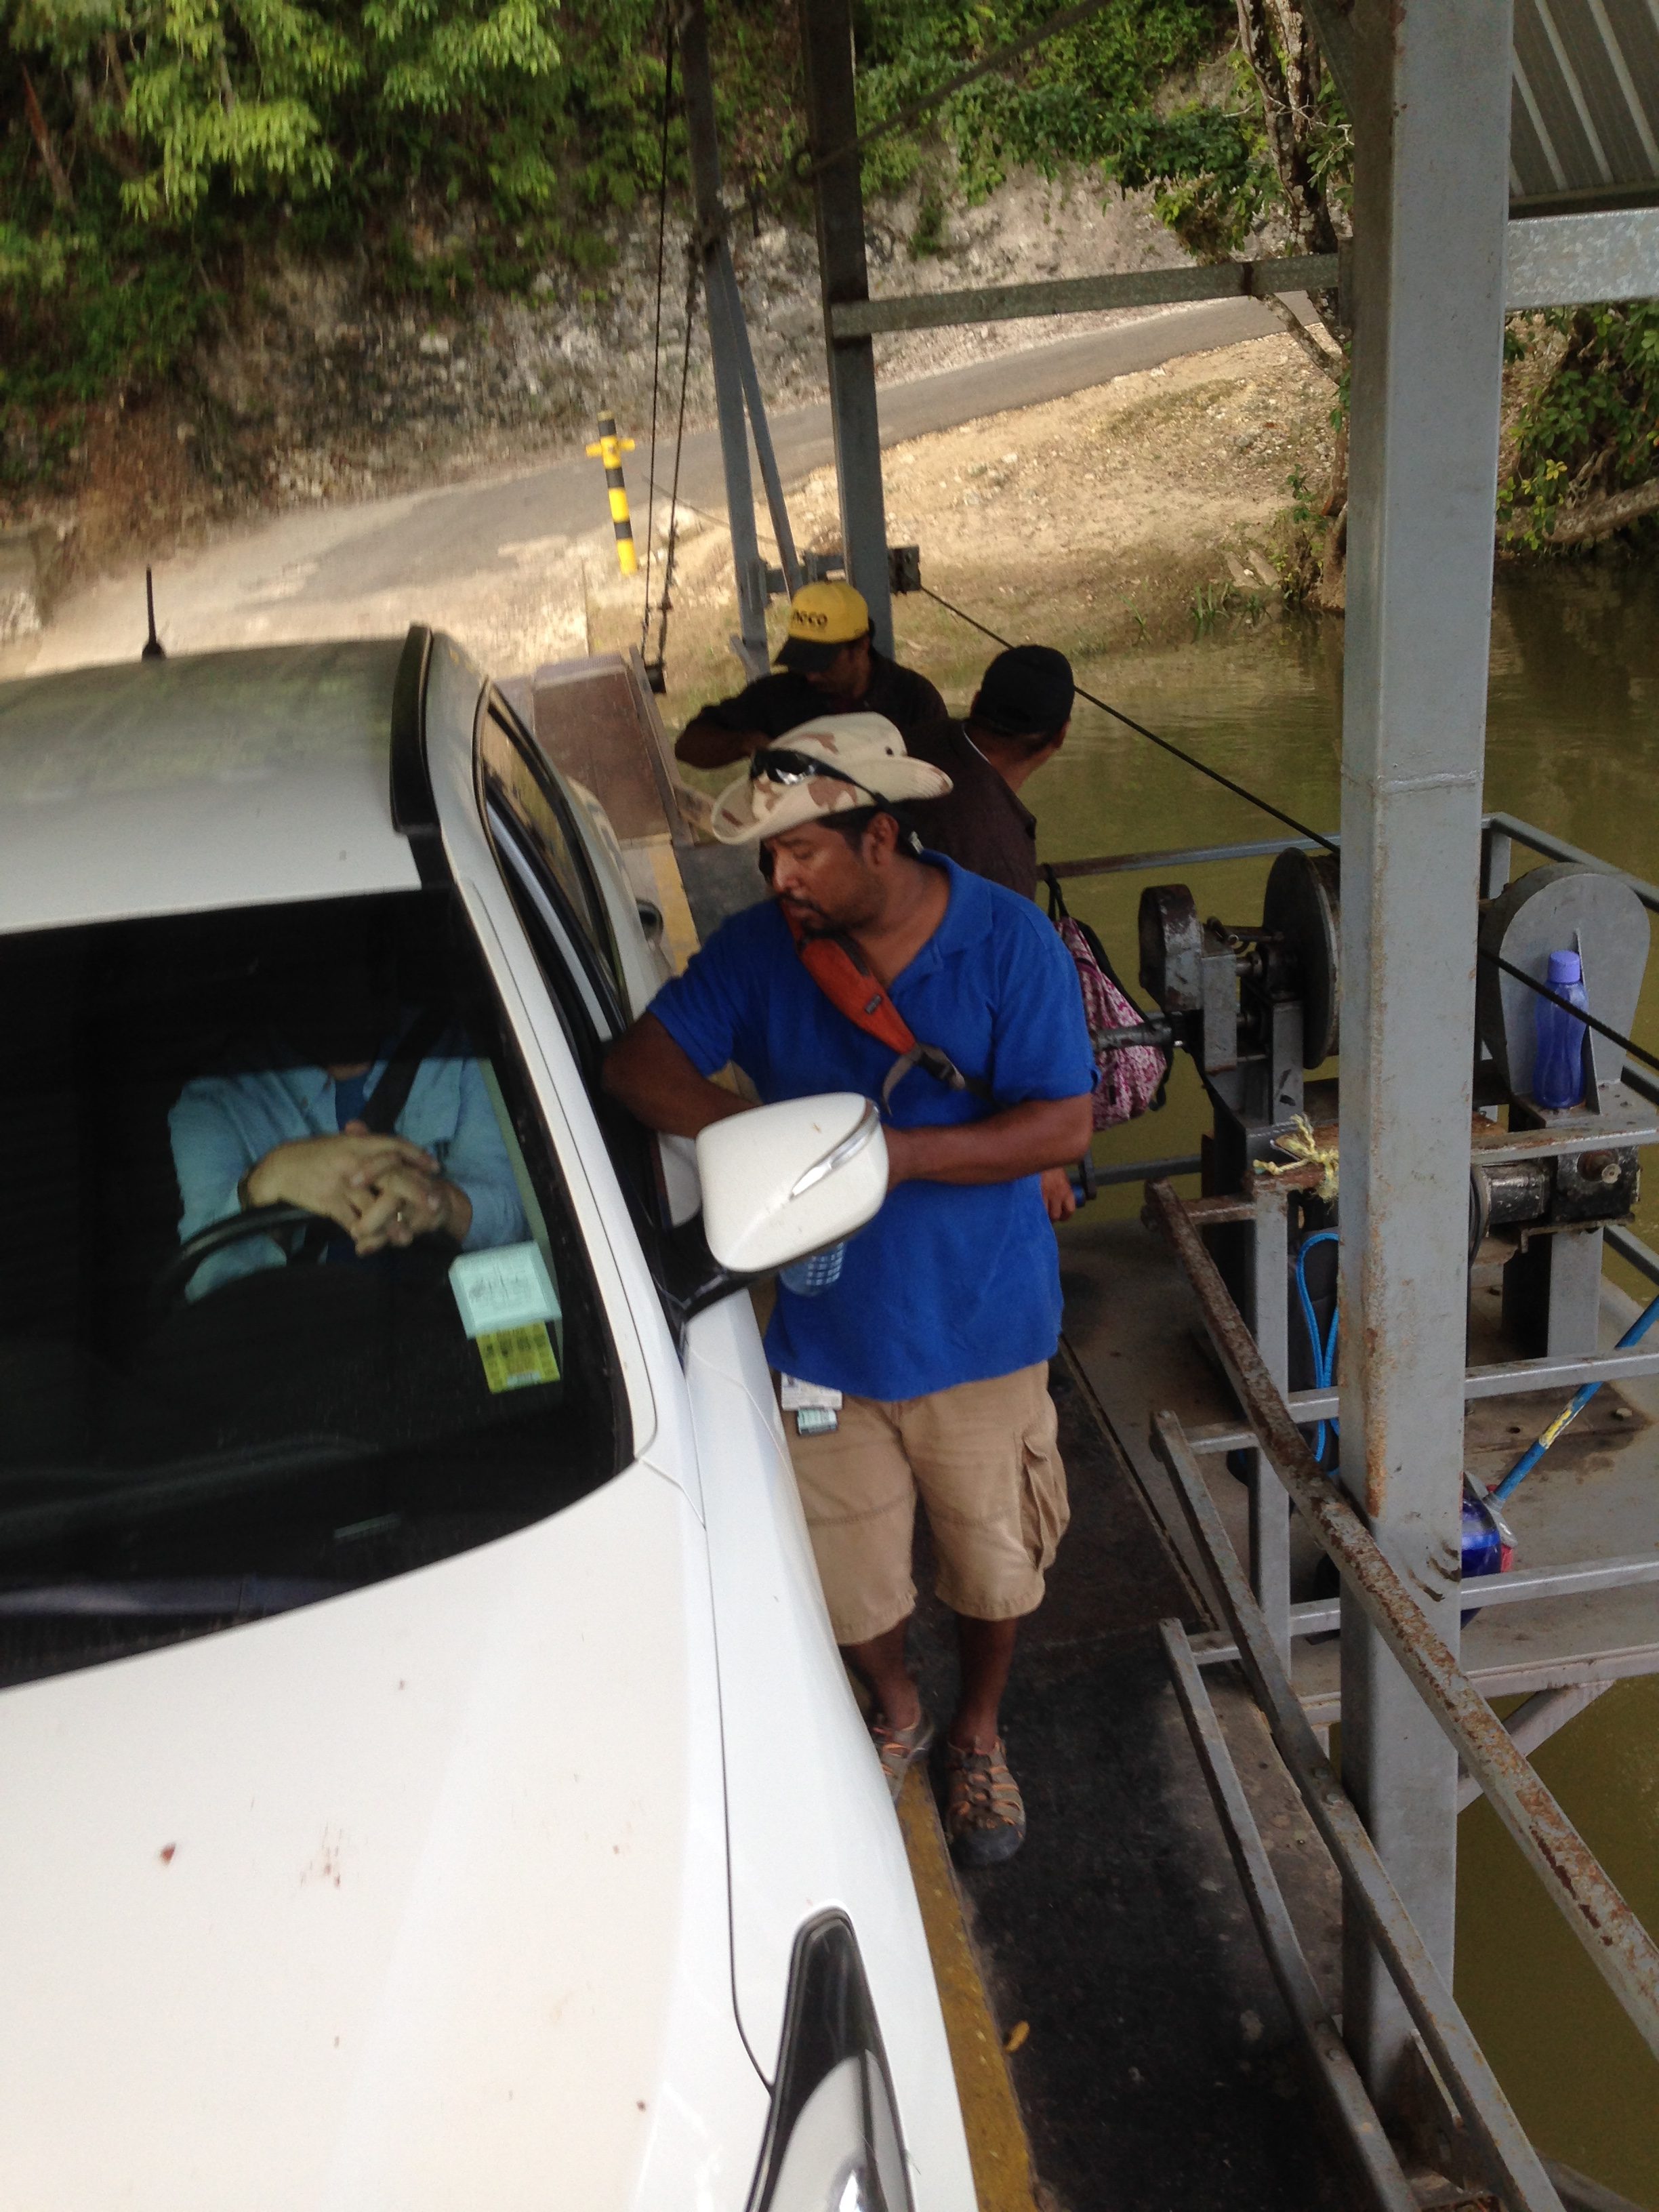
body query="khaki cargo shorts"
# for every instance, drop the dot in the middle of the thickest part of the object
(983, 1458)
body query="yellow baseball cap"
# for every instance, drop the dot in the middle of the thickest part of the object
(822, 618)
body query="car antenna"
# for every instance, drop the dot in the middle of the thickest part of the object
(153, 648)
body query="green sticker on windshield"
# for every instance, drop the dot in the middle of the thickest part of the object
(514, 1358)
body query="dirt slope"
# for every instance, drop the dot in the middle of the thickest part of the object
(1121, 516)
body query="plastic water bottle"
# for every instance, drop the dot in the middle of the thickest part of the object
(1558, 1070)
(1488, 1548)
(1487, 1545)
(809, 1277)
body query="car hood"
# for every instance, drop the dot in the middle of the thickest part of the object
(408, 1899)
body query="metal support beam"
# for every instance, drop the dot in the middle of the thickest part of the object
(1399, 1619)
(1376, 2167)
(724, 343)
(1504, 1378)
(1080, 295)
(1551, 261)
(1536, 1722)
(1431, 122)
(1560, 260)
(1525, 1586)
(826, 29)
(765, 452)
(1508, 2158)
(1270, 1508)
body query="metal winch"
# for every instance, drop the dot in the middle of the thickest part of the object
(1254, 1004)
(1257, 1008)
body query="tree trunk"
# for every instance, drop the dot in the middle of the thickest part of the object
(1596, 518)
(57, 176)
(1287, 99)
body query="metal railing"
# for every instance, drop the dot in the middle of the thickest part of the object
(1508, 827)
(1286, 1621)
(1621, 1949)
(1623, 1953)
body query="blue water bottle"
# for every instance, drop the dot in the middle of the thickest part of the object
(1558, 1070)
(810, 1277)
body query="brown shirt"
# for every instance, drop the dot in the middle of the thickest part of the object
(980, 823)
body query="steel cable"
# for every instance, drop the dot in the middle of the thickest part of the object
(1626, 1044)
(666, 601)
(1215, 775)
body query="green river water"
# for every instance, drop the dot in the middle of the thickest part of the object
(1572, 746)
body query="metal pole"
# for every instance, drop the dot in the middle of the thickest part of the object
(722, 339)
(1270, 1504)
(1431, 121)
(765, 454)
(826, 32)
(1508, 2157)
(1375, 2166)
(1374, 1593)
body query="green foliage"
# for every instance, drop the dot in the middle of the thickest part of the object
(1593, 426)
(1082, 100)
(179, 131)
(1209, 168)
(456, 144)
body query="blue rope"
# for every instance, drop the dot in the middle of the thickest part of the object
(1324, 1352)
(1530, 1458)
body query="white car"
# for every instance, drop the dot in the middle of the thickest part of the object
(429, 1782)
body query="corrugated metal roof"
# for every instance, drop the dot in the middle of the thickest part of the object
(1585, 110)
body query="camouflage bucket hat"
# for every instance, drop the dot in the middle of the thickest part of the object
(864, 763)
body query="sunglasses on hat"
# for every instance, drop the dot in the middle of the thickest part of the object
(778, 765)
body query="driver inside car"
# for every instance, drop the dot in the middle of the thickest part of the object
(306, 1129)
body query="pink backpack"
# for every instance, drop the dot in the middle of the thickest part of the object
(1132, 1076)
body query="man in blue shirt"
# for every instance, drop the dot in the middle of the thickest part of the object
(931, 1346)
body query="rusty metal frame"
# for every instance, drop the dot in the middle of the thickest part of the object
(1504, 1378)
(1526, 1586)
(1335, 2075)
(1506, 2155)
(1621, 1948)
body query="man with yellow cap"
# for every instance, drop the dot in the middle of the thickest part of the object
(828, 665)
(927, 1350)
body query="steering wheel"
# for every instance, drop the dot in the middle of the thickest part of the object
(258, 1221)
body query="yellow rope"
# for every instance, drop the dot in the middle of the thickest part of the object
(1303, 1150)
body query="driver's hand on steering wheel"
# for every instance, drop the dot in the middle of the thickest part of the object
(339, 1177)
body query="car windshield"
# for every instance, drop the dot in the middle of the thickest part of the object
(291, 1298)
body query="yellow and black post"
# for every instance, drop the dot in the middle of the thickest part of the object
(610, 450)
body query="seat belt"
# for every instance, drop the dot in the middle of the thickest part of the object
(391, 1094)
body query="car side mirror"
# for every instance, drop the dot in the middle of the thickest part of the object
(786, 1180)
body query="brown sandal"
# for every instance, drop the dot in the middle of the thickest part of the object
(898, 1749)
(985, 1813)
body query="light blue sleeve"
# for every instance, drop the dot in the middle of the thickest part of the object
(477, 1160)
(209, 1159)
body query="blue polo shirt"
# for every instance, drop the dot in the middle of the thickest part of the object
(950, 1283)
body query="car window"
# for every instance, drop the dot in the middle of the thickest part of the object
(208, 1412)
(517, 782)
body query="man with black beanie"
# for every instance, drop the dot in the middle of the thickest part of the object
(1018, 719)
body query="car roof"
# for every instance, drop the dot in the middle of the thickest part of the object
(222, 779)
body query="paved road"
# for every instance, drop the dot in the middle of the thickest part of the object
(369, 567)
(462, 530)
